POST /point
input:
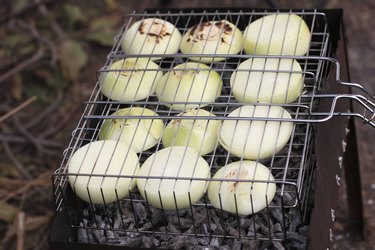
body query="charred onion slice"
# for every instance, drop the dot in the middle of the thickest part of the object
(248, 188)
(151, 36)
(210, 38)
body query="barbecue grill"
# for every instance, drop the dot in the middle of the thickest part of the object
(307, 170)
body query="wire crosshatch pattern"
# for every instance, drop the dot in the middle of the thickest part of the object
(292, 167)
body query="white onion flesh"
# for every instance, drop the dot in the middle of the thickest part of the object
(141, 134)
(190, 83)
(176, 162)
(199, 134)
(277, 34)
(236, 196)
(103, 158)
(210, 38)
(250, 85)
(131, 79)
(151, 36)
(256, 139)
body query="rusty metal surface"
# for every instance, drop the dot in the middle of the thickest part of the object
(329, 136)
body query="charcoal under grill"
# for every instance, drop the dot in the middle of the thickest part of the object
(307, 170)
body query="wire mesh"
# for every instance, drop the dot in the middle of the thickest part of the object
(292, 166)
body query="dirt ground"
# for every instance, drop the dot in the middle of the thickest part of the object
(32, 139)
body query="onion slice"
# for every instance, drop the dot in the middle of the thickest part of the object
(248, 188)
(190, 83)
(260, 80)
(176, 163)
(103, 158)
(140, 133)
(131, 79)
(256, 139)
(198, 134)
(210, 38)
(151, 36)
(277, 34)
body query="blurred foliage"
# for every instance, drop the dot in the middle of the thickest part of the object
(72, 58)
(64, 32)
(50, 50)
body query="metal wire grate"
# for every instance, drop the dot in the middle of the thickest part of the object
(292, 167)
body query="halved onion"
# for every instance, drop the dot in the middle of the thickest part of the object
(260, 80)
(235, 195)
(141, 134)
(189, 82)
(130, 79)
(213, 37)
(198, 134)
(151, 36)
(277, 34)
(176, 162)
(103, 158)
(256, 139)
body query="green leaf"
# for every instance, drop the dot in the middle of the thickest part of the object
(6, 58)
(20, 5)
(104, 38)
(102, 30)
(7, 212)
(73, 14)
(11, 40)
(17, 86)
(72, 58)
(41, 92)
(111, 4)
(106, 22)
(26, 50)
(53, 78)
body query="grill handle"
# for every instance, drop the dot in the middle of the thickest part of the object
(368, 102)
(370, 96)
(368, 115)
(357, 86)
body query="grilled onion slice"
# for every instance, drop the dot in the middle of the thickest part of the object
(130, 79)
(256, 139)
(277, 34)
(101, 159)
(235, 194)
(140, 133)
(191, 84)
(182, 165)
(213, 37)
(271, 80)
(198, 134)
(151, 36)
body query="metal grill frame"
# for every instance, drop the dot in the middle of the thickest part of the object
(97, 109)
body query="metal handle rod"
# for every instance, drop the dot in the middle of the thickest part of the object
(368, 105)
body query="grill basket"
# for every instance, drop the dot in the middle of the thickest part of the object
(305, 174)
